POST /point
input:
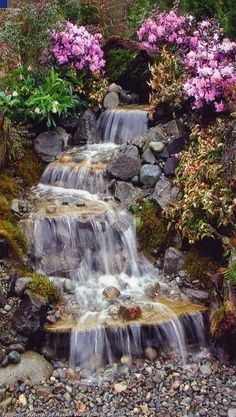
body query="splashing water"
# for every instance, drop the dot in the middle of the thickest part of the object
(74, 234)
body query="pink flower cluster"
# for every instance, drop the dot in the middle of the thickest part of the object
(167, 28)
(207, 57)
(75, 45)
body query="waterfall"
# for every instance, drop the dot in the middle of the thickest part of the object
(76, 232)
(122, 124)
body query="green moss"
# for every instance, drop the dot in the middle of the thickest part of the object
(42, 286)
(29, 168)
(199, 267)
(8, 185)
(5, 210)
(151, 229)
(118, 62)
(17, 243)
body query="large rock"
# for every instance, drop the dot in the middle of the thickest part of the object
(86, 131)
(114, 88)
(48, 145)
(198, 296)
(173, 261)
(170, 166)
(21, 285)
(32, 367)
(126, 193)
(176, 141)
(155, 134)
(111, 100)
(29, 317)
(149, 174)
(164, 193)
(148, 157)
(125, 164)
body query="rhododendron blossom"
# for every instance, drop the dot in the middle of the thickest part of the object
(208, 59)
(75, 45)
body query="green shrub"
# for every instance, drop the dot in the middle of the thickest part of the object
(41, 285)
(40, 100)
(25, 33)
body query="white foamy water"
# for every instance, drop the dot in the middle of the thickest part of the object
(93, 242)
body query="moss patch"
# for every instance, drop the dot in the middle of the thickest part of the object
(151, 228)
(15, 238)
(29, 168)
(41, 285)
(8, 185)
(199, 267)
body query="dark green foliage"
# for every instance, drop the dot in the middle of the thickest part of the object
(224, 10)
(138, 11)
(118, 62)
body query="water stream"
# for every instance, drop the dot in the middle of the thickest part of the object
(78, 232)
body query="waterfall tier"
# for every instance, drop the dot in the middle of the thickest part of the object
(122, 124)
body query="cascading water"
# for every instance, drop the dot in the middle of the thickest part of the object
(122, 124)
(86, 237)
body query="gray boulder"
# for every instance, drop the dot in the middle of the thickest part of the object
(155, 134)
(21, 285)
(149, 174)
(126, 193)
(125, 164)
(198, 296)
(173, 129)
(173, 261)
(157, 147)
(29, 317)
(86, 130)
(170, 166)
(111, 100)
(164, 193)
(48, 145)
(20, 206)
(148, 157)
(32, 367)
(114, 88)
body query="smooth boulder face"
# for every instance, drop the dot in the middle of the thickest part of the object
(48, 145)
(149, 174)
(164, 193)
(126, 193)
(111, 100)
(111, 293)
(32, 366)
(125, 164)
(29, 317)
(155, 134)
(86, 130)
(173, 261)
(148, 157)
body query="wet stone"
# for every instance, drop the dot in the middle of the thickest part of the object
(111, 293)
(14, 357)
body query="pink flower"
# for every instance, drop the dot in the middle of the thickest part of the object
(219, 106)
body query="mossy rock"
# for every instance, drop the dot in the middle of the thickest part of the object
(5, 210)
(151, 228)
(41, 285)
(29, 168)
(199, 267)
(8, 185)
(16, 240)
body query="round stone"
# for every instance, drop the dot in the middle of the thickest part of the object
(149, 174)
(150, 353)
(111, 293)
(14, 357)
(157, 146)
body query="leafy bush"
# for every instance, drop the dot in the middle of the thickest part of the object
(25, 33)
(34, 99)
(167, 81)
(206, 206)
(41, 285)
(138, 10)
